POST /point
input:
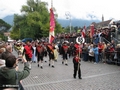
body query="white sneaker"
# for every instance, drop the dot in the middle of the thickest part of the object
(30, 66)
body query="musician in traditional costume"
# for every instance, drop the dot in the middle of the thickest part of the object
(50, 49)
(40, 54)
(77, 49)
(28, 51)
(64, 50)
(45, 51)
(76, 64)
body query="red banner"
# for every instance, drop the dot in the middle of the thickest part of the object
(91, 31)
(83, 32)
(52, 26)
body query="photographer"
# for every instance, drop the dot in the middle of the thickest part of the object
(10, 77)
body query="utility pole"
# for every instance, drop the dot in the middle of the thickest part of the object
(51, 3)
(68, 16)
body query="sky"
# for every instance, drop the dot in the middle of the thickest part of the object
(80, 9)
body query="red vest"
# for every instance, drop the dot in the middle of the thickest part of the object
(51, 48)
(65, 47)
(40, 49)
(28, 50)
(77, 59)
(78, 48)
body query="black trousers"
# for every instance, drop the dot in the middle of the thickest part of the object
(40, 57)
(65, 57)
(51, 56)
(77, 69)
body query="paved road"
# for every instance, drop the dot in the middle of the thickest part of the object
(94, 77)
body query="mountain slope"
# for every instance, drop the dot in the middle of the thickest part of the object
(64, 22)
(9, 19)
(76, 22)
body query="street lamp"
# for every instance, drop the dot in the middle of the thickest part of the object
(68, 16)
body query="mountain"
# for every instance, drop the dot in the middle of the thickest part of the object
(76, 22)
(64, 22)
(9, 19)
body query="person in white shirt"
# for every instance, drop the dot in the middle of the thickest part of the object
(91, 53)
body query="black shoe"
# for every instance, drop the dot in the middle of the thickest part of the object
(49, 64)
(74, 77)
(66, 64)
(38, 65)
(52, 66)
(62, 62)
(41, 67)
(80, 78)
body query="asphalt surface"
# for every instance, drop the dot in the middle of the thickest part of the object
(94, 76)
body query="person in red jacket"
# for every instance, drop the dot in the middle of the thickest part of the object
(40, 54)
(50, 50)
(65, 49)
(77, 49)
(76, 64)
(28, 50)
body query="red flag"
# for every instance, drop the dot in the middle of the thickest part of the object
(83, 31)
(52, 38)
(91, 30)
(52, 26)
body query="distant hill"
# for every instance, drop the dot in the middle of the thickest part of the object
(64, 22)
(9, 19)
(76, 22)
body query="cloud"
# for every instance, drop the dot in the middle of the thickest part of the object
(9, 7)
(81, 9)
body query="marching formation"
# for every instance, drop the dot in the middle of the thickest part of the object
(36, 52)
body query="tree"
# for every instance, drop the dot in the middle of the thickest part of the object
(4, 27)
(34, 22)
(67, 29)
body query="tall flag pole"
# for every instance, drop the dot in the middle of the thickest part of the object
(52, 24)
(51, 3)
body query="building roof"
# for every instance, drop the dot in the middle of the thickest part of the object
(103, 24)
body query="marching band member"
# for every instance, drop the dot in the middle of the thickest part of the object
(65, 48)
(40, 54)
(76, 63)
(50, 49)
(77, 49)
(28, 50)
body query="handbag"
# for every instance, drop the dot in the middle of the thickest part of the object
(18, 83)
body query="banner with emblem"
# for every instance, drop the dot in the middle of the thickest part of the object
(52, 26)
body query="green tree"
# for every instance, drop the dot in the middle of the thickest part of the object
(34, 22)
(67, 29)
(4, 27)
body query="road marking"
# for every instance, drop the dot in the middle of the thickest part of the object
(92, 76)
(101, 74)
